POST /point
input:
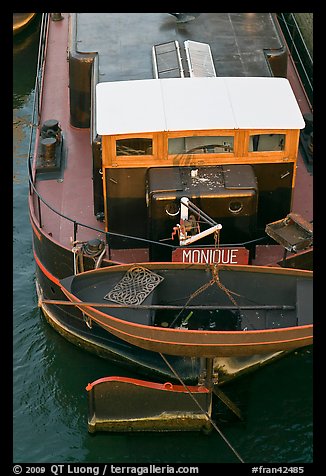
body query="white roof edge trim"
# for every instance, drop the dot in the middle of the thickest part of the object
(173, 104)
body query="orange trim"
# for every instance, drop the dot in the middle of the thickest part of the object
(46, 272)
(144, 383)
(213, 344)
(36, 231)
(165, 342)
(238, 267)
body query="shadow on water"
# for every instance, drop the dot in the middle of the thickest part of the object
(275, 402)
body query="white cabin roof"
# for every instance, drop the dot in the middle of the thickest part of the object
(177, 104)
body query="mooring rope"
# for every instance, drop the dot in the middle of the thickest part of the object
(78, 258)
(215, 279)
(201, 408)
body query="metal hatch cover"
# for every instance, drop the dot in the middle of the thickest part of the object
(199, 59)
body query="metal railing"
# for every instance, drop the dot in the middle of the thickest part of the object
(44, 25)
(298, 50)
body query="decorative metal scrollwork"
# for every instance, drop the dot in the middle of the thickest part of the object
(134, 287)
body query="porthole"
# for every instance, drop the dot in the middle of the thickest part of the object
(172, 209)
(235, 206)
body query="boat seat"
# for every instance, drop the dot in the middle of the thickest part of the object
(249, 320)
(139, 316)
(303, 302)
(267, 319)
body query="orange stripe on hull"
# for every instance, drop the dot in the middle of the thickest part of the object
(156, 339)
(46, 272)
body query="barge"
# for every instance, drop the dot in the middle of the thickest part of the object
(165, 141)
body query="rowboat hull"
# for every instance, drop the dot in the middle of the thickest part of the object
(288, 320)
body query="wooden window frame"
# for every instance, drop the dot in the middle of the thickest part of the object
(240, 154)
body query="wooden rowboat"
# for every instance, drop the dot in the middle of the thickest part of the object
(198, 310)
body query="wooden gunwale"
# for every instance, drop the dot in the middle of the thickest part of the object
(217, 343)
(199, 342)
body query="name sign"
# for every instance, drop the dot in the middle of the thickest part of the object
(211, 255)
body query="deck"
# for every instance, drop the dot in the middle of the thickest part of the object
(124, 42)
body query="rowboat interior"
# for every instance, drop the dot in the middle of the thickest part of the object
(247, 300)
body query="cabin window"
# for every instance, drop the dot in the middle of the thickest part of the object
(266, 142)
(201, 145)
(134, 146)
